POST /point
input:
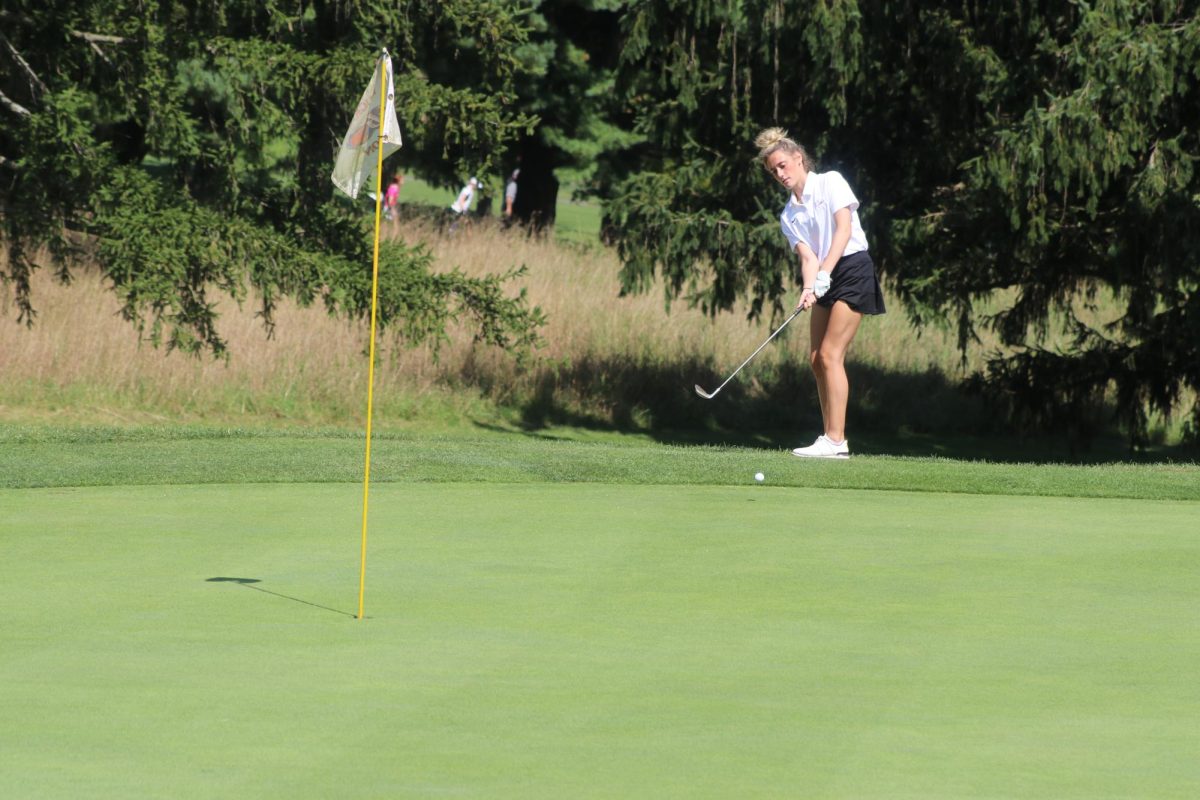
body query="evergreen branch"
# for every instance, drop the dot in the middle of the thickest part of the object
(14, 16)
(14, 106)
(35, 83)
(100, 53)
(94, 40)
(98, 37)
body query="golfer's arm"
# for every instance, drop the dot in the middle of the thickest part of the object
(808, 265)
(841, 236)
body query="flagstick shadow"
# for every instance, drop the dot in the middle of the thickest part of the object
(249, 584)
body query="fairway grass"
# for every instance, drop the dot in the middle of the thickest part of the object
(548, 639)
(40, 456)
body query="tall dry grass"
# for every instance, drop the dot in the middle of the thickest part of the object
(81, 362)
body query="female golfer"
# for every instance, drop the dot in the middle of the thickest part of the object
(839, 283)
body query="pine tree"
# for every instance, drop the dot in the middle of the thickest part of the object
(569, 62)
(1044, 151)
(185, 147)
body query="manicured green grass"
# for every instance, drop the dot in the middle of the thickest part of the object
(551, 639)
(38, 456)
(418, 191)
(582, 614)
(575, 222)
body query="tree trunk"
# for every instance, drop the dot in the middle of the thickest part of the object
(537, 188)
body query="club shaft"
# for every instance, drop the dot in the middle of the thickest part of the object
(759, 350)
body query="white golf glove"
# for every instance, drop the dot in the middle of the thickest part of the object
(821, 284)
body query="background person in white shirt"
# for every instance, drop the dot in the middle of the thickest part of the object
(510, 192)
(463, 203)
(839, 283)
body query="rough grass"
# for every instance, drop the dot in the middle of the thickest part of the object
(605, 359)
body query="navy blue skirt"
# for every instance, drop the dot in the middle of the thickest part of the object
(854, 282)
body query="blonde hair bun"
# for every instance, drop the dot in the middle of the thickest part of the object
(770, 137)
(773, 139)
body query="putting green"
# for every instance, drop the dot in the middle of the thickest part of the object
(583, 640)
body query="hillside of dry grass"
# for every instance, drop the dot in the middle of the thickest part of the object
(605, 360)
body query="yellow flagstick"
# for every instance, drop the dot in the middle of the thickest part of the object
(383, 98)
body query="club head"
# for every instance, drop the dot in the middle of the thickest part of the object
(705, 394)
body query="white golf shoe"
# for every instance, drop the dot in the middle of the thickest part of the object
(824, 447)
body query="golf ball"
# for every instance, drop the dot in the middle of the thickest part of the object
(758, 476)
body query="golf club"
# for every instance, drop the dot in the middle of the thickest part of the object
(712, 394)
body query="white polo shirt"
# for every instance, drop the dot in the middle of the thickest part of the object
(463, 204)
(810, 219)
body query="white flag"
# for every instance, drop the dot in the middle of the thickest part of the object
(356, 160)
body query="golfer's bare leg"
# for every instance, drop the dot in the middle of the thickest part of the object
(829, 365)
(818, 321)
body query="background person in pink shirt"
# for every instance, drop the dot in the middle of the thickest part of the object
(391, 202)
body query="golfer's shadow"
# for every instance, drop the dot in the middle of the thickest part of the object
(249, 584)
